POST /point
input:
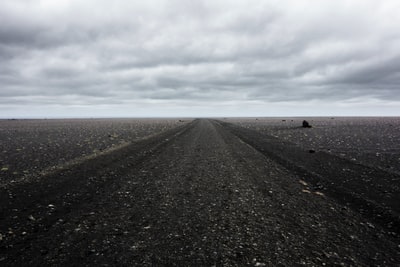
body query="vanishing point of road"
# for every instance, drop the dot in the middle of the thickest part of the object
(202, 194)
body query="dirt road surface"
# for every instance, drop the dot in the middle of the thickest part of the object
(198, 195)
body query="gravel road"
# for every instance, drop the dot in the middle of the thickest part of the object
(198, 195)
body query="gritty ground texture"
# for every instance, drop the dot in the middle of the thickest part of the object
(205, 193)
(31, 147)
(371, 141)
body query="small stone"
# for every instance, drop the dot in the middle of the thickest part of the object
(1, 237)
(306, 124)
(30, 217)
(4, 169)
(303, 182)
(370, 225)
(319, 193)
(260, 264)
(311, 151)
(306, 191)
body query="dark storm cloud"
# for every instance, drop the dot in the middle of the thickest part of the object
(97, 52)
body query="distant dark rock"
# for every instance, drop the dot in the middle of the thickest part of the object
(306, 124)
(311, 151)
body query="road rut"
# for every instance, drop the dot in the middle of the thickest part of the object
(202, 198)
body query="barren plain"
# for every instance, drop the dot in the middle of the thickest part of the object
(204, 192)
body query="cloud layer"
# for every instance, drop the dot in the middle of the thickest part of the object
(175, 58)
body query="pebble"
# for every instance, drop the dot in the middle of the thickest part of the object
(370, 225)
(303, 182)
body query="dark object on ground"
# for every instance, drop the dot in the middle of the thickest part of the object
(306, 124)
(311, 151)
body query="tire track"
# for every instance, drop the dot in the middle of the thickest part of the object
(202, 198)
(367, 190)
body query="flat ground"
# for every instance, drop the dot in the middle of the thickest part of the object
(201, 194)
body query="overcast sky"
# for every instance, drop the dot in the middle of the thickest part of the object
(96, 58)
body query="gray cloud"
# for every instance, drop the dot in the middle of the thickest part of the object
(169, 57)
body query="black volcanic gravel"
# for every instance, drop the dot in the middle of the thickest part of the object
(371, 141)
(207, 193)
(28, 147)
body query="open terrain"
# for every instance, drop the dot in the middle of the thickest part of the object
(209, 193)
(34, 147)
(371, 141)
